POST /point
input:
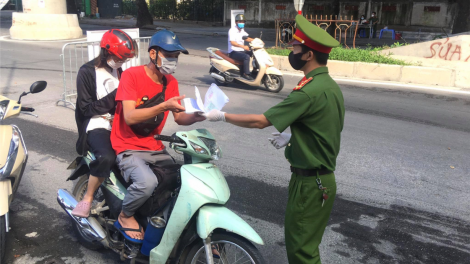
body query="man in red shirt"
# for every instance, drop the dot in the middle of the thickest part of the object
(136, 148)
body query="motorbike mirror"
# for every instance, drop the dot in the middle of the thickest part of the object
(38, 87)
(245, 37)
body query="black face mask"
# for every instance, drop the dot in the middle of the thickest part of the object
(296, 61)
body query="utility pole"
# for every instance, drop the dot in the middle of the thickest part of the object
(225, 12)
(259, 13)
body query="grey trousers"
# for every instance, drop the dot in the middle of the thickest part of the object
(134, 165)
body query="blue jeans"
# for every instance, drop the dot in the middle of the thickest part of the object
(242, 56)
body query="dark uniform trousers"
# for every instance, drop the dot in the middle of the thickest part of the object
(306, 219)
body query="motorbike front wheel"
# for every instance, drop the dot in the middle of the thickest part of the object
(274, 85)
(227, 248)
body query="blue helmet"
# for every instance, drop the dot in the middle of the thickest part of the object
(166, 40)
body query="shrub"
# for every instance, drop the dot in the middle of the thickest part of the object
(369, 54)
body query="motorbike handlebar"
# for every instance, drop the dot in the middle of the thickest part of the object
(171, 139)
(27, 109)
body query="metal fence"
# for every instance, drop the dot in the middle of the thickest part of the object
(75, 54)
(196, 10)
(285, 28)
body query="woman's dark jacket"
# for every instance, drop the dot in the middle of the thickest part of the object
(88, 105)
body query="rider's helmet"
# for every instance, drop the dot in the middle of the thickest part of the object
(239, 17)
(120, 44)
(166, 40)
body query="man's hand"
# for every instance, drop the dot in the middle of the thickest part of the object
(246, 48)
(215, 115)
(199, 117)
(184, 119)
(173, 105)
(280, 140)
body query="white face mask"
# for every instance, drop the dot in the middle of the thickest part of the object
(115, 65)
(373, 15)
(168, 65)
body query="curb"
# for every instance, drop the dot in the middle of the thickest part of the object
(155, 27)
(459, 78)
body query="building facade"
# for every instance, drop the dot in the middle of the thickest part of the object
(429, 15)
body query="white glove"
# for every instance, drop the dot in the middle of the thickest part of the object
(280, 140)
(215, 115)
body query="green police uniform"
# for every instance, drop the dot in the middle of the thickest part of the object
(314, 111)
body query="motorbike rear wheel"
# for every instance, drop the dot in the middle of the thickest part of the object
(79, 191)
(231, 248)
(219, 82)
(276, 85)
(3, 234)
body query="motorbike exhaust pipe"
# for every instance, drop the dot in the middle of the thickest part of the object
(218, 77)
(90, 225)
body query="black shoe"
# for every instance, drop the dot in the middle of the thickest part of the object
(247, 77)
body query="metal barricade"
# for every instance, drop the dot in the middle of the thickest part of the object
(75, 54)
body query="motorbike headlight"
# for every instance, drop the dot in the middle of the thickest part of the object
(3, 108)
(199, 149)
(216, 152)
(12, 152)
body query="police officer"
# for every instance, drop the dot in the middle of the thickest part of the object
(314, 111)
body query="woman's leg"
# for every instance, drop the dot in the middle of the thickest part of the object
(100, 145)
(93, 184)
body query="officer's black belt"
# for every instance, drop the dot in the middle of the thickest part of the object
(309, 173)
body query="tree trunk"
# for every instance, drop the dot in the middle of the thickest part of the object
(336, 10)
(143, 14)
(462, 20)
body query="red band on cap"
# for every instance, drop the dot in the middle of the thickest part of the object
(300, 36)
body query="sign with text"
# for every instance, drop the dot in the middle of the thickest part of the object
(298, 5)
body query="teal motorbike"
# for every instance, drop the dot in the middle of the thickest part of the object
(185, 220)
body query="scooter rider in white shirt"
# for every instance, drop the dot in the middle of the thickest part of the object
(236, 46)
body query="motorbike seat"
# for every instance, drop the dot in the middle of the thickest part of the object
(118, 175)
(226, 57)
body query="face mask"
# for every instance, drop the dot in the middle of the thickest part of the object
(241, 25)
(168, 65)
(114, 65)
(296, 61)
(373, 15)
(362, 17)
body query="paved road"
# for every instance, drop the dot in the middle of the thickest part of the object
(400, 201)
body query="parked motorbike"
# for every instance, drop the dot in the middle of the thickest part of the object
(185, 220)
(225, 69)
(13, 157)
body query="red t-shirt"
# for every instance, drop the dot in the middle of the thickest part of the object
(135, 84)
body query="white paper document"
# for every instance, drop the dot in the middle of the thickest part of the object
(214, 99)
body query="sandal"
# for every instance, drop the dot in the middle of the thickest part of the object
(82, 209)
(121, 229)
(215, 252)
